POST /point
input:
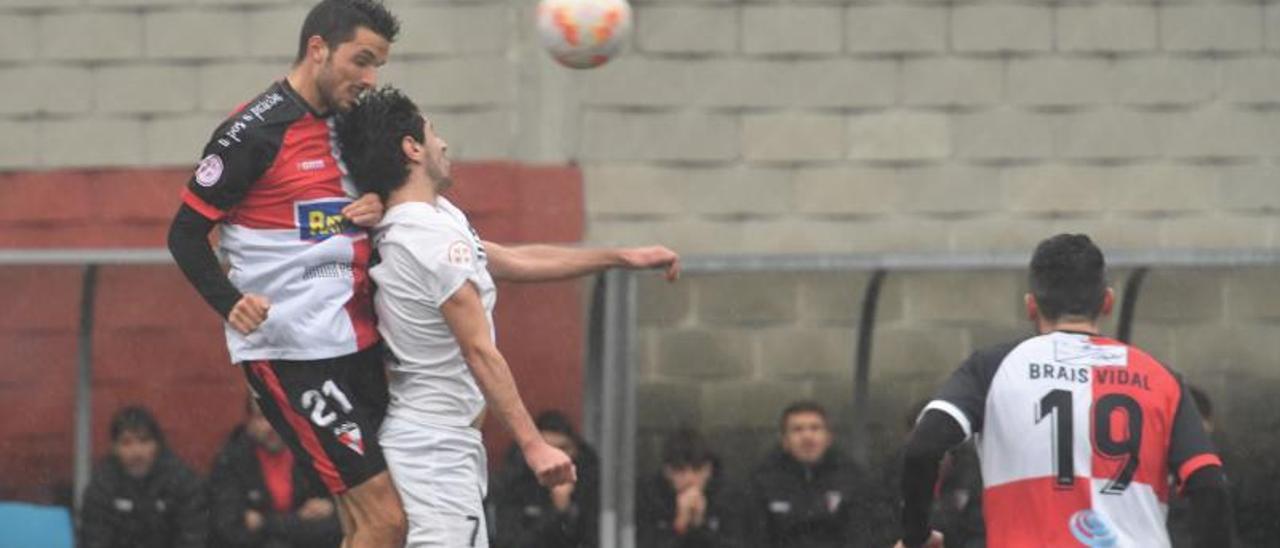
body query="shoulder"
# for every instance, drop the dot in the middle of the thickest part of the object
(176, 472)
(993, 355)
(106, 472)
(258, 121)
(768, 468)
(236, 449)
(984, 362)
(423, 231)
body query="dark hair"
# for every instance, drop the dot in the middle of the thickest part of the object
(803, 406)
(685, 447)
(135, 418)
(336, 22)
(555, 421)
(370, 135)
(1201, 399)
(1068, 277)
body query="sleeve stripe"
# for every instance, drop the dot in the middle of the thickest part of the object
(202, 207)
(950, 409)
(1195, 463)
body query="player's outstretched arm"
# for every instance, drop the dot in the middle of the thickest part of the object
(541, 263)
(464, 312)
(933, 436)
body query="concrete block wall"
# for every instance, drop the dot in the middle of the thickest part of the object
(725, 353)
(774, 126)
(127, 83)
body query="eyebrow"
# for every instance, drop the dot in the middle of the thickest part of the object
(366, 53)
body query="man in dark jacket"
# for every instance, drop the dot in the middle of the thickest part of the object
(684, 506)
(141, 495)
(806, 494)
(262, 499)
(566, 516)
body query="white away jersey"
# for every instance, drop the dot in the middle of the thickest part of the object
(1078, 436)
(428, 251)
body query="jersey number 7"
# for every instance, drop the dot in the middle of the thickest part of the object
(1058, 403)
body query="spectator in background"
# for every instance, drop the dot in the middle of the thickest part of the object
(807, 493)
(683, 506)
(566, 516)
(261, 498)
(141, 495)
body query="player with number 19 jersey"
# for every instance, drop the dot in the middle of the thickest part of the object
(1078, 435)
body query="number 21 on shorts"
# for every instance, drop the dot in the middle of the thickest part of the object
(317, 402)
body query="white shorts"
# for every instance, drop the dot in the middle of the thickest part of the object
(442, 477)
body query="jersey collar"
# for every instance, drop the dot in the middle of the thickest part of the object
(293, 94)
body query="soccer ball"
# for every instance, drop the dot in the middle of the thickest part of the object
(583, 33)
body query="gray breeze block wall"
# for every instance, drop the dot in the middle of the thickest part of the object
(778, 127)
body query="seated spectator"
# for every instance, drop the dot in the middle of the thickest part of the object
(529, 515)
(260, 498)
(807, 493)
(141, 495)
(683, 506)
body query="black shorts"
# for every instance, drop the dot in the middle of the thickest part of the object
(327, 411)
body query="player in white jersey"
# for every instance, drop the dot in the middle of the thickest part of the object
(434, 304)
(1078, 434)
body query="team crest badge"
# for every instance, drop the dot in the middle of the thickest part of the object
(833, 499)
(209, 170)
(460, 253)
(348, 434)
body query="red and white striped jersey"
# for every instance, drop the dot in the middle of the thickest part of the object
(272, 176)
(1078, 436)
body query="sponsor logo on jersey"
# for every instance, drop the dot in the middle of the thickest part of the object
(261, 107)
(320, 219)
(1091, 529)
(311, 165)
(209, 171)
(1079, 351)
(348, 434)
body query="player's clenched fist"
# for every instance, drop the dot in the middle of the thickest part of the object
(552, 466)
(249, 313)
(653, 257)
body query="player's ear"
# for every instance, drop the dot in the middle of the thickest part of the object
(412, 148)
(1033, 309)
(317, 49)
(1108, 301)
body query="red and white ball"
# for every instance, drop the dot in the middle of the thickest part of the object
(583, 33)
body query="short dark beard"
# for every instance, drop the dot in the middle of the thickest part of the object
(322, 87)
(442, 182)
